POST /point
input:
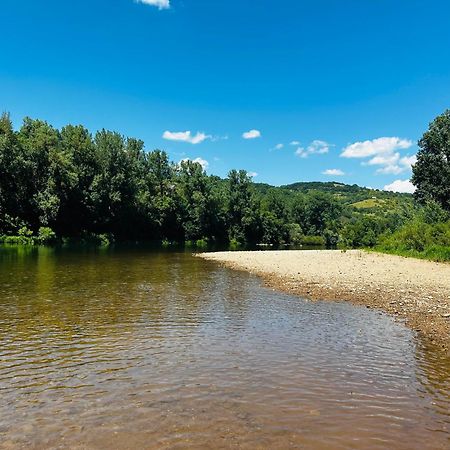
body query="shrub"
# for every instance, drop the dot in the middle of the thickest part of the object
(432, 212)
(420, 239)
(46, 236)
(24, 237)
(331, 238)
(313, 240)
(295, 233)
(201, 243)
(235, 244)
(361, 233)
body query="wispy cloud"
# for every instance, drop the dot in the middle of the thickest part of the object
(201, 161)
(252, 174)
(334, 172)
(186, 136)
(252, 134)
(294, 143)
(277, 147)
(160, 4)
(400, 186)
(219, 138)
(316, 147)
(384, 152)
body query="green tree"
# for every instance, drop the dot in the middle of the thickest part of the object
(114, 185)
(64, 183)
(274, 218)
(14, 178)
(363, 232)
(431, 173)
(76, 212)
(48, 170)
(242, 208)
(159, 199)
(195, 194)
(321, 211)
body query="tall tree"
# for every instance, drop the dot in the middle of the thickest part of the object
(242, 209)
(195, 194)
(14, 178)
(159, 200)
(431, 173)
(321, 211)
(77, 210)
(114, 186)
(49, 171)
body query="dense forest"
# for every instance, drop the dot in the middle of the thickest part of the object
(68, 185)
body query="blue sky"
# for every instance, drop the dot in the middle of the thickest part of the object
(291, 91)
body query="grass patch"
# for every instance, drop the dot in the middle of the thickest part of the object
(369, 203)
(434, 253)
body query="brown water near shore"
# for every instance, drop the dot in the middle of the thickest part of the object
(130, 348)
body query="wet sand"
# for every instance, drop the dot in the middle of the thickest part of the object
(415, 290)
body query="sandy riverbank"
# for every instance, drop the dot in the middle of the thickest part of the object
(415, 290)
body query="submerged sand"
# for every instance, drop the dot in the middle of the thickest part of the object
(415, 290)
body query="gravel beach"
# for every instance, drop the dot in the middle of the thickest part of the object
(412, 289)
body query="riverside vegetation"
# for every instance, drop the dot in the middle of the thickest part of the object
(68, 185)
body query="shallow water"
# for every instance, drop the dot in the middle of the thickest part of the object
(130, 348)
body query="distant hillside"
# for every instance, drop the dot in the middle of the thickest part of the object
(341, 188)
(330, 186)
(354, 195)
(361, 200)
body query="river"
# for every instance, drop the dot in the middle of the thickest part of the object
(130, 348)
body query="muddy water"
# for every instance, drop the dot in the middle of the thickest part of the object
(138, 349)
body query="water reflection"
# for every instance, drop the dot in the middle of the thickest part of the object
(128, 348)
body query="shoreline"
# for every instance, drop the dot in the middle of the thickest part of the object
(415, 290)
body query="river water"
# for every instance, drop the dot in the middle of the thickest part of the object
(130, 348)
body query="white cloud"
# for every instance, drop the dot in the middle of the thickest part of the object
(294, 143)
(333, 172)
(384, 160)
(160, 4)
(185, 136)
(392, 163)
(375, 147)
(316, 147)
(391, 169)
(408, 161)
(384, 153)
(389, 163)
(200, 161)
(252, 174)
(400, 186)
(252, 134)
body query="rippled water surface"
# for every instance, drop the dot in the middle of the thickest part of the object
(130, 348)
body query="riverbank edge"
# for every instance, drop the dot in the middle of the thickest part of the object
(430, 324)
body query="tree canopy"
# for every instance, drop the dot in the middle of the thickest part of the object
(69, 183)
(431, 173)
